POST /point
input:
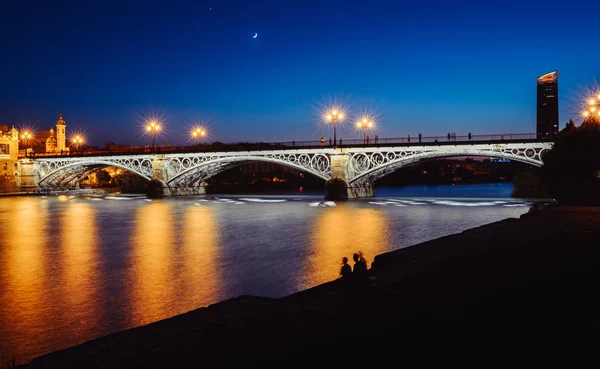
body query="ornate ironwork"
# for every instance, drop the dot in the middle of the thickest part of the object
(191, 168)
(53, 170)
(369, 164)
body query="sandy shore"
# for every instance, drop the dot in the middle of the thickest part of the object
(513, 287)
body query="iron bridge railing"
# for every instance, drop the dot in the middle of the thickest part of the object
(312, 144)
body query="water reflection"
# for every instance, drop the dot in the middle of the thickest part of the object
(80, 277)
(172, 271)
(22, 270)
(342, 231)
(150, 272)
(201, 278)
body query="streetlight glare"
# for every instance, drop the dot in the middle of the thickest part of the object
(586, 113)
(593, 108)
(592, 102)
(329, 117)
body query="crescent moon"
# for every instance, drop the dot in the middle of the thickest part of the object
(255, 35)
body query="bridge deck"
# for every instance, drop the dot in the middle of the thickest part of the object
(249, 147)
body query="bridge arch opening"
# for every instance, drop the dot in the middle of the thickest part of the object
(250, 175)
(92, 174)
(452, 169)
(250, 170)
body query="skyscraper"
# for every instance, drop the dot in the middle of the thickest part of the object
(547, 105)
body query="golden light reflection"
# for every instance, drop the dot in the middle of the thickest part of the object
(79, 256)
(200, 279)
(151, 279)
(342, 231)
(22, 269)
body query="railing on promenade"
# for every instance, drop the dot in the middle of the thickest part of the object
(290, 145)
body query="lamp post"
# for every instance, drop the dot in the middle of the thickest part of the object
(364, 124)
(78, 141)
(153, 128)
(334, 116)
(198, 134)
(592, 113)
(26, 137)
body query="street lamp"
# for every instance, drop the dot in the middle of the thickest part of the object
(364, 124)
(334, 116)
(26, 137)
(592, 113)
(153, 127)
(198, 134)
(77, 141)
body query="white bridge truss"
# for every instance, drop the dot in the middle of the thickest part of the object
(362, 164)
(371, 163)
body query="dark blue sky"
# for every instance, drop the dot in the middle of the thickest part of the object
(422, 66)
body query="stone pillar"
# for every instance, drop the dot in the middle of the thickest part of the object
(337, 188)
(158, 186)
(27, 175)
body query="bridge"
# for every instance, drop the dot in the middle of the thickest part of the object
(181, 171)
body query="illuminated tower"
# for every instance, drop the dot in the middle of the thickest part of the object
(61, 128)
(547, 105)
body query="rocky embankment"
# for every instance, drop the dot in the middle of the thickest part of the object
(515, 286)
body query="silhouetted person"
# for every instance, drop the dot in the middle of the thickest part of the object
(408, 138)
(360, 267)
(368, 139)
(449, 136)
(330, 142)
(340, 142)
(470, 136)
(420, 138)
(376, 138)
(346, 271)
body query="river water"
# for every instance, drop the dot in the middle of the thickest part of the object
(73, 268)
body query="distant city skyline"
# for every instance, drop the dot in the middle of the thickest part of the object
(427, 68)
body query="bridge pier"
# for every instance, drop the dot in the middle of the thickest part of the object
(27, 182)
(338, 188)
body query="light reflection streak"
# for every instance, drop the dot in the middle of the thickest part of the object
(78, 258)
(22, 271)
(201, 279)
(152, 243)
(341, 231)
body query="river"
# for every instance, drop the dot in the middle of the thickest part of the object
(73, 268)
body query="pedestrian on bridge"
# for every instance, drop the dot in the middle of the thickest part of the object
(470, 136)
(420, 138)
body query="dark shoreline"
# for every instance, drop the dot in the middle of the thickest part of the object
(518, 280)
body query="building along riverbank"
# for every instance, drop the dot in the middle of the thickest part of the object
(514, 286)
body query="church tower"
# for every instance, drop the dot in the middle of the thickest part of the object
(61, 133)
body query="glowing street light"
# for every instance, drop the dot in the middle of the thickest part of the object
(364, 124)
(77, 141)
(198, 134)
(334, 116)
(26, 137)
(592, 112)
(153, 127)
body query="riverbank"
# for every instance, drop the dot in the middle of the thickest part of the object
(518, 285)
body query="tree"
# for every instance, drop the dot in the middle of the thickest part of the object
(103, 176)
(130, 182)
(571, 167)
